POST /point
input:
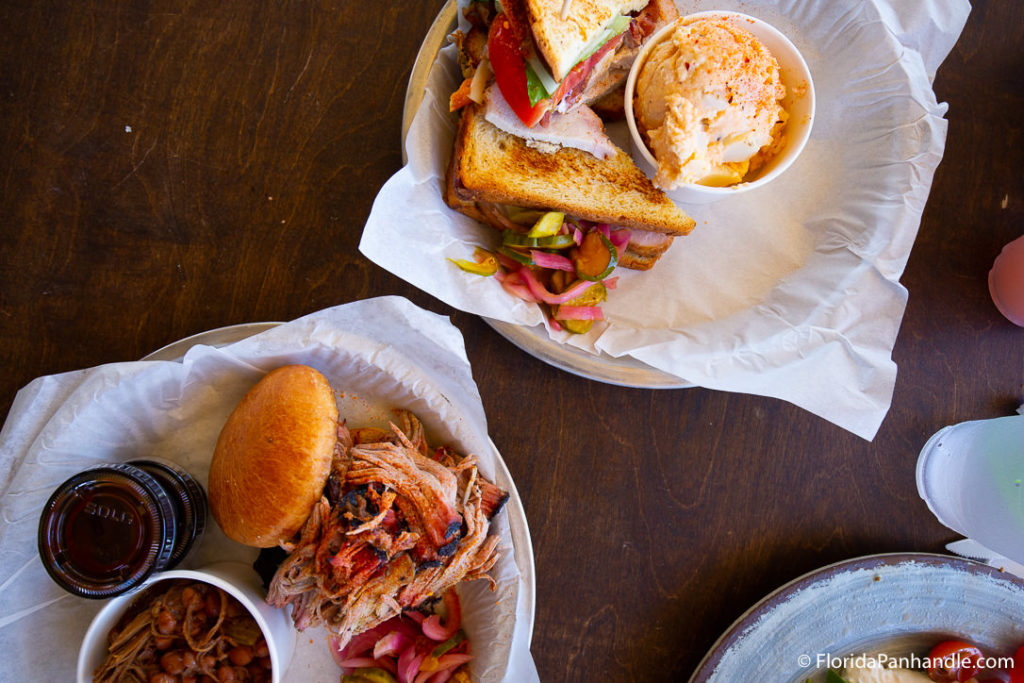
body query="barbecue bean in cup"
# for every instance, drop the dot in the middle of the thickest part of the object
(221, 604)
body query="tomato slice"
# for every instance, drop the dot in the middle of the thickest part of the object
(954, 661)
(572, 86)
(509, 69)
(1017, 672)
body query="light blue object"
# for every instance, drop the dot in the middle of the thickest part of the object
(971, 474)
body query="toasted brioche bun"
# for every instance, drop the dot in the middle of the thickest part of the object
(562, 42)
(273, 456)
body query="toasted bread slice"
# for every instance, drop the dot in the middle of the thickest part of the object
(489, 166)
(562, 41)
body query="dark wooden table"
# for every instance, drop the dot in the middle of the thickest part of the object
(169, 168)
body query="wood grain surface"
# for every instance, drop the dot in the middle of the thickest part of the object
(169, 168)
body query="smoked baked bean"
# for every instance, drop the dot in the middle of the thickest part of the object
(189, 632)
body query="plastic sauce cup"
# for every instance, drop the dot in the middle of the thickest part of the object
(107, 529)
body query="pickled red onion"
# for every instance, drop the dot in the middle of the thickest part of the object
(538, 290)
(620, 238)
(390, 644)
(514, 286)
(432, 626)
(409, 647)
(446, 664)
(409, 664)
(506, 262)
(546, 259)
(580, 313)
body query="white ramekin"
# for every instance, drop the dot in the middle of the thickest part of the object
(238, 580)
(799, 103)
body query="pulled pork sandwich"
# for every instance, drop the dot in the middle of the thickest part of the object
(388, 523)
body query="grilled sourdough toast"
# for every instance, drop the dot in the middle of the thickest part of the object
(489, 165)
(561, 40)
(491, 169)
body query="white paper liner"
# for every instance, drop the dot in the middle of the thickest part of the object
(379, 354)
(790, 291)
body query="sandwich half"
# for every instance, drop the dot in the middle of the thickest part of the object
(550, 56)
(493, 175)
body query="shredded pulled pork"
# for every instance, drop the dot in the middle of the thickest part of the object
(399, 523)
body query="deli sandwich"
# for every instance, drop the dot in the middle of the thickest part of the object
(549, 56)
(521, 144)
(493, 175)
(534, 161)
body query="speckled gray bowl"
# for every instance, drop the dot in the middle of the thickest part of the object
(894, 603)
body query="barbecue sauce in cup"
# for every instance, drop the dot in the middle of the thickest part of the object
(107, 529)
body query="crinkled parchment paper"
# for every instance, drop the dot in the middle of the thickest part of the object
(790, 291)
(379, 354)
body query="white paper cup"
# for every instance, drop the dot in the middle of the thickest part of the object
(972, 477)
(238, 580)
(799, 103)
